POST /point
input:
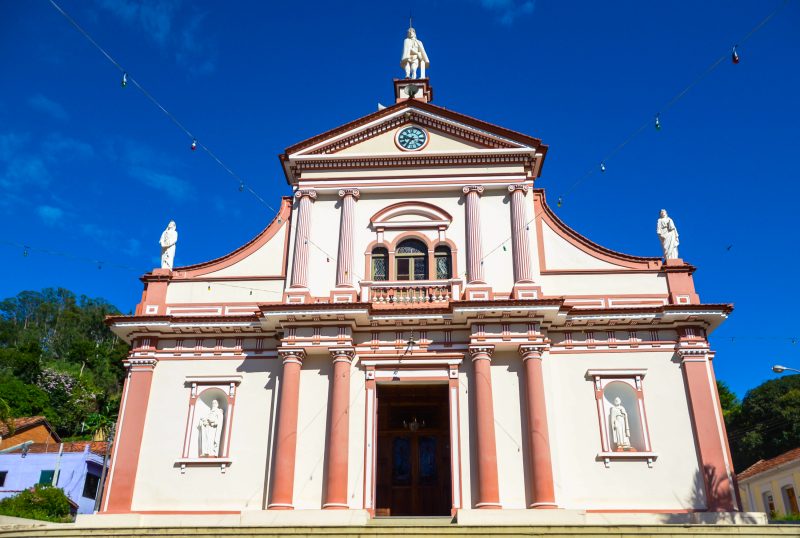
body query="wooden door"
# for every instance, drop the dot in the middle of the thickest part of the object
(413, 464)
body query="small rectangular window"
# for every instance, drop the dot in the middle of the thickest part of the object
(46, 477)
(90, 486)
(3, 475)
(403, 269)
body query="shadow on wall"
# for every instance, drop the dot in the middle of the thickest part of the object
(720, 495)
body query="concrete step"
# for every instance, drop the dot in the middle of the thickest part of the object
(429, 529)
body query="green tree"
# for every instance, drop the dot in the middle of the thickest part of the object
(768, 422)
(41, 502)
(731, 406)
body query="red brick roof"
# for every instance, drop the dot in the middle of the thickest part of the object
(96, 447)
(762, 466)
(24, 423)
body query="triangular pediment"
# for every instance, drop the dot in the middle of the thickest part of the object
(375, 138)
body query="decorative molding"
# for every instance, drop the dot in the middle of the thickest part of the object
(518, 187)
(342, 353)
(309, 193)
(473, 188)
(480, 352)
(292, 354)
(355, 193)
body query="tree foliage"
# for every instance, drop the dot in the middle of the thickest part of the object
(768, 422)
(41, 502)
(58, 359)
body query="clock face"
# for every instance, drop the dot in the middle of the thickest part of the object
(412, 138)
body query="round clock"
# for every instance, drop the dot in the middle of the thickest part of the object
(412, 138)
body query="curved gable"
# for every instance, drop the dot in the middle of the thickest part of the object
(241, 261)
(563, 249)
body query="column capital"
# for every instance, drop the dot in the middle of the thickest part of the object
(342, 353)
(292, 355)
(473, 188)
(355, 193)
(481, 352)
(533, 351)
(518, 187)
(695, 354)
(310, 193)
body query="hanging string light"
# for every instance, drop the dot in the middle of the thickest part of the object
(241, 186)
(25, 251)
(734, 55)
(560, 201)
(658, 122)
(124, 80)
(602, 166)
(194, 145)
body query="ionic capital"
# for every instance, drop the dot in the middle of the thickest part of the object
(473, 188)
(342, 353)
(532, 351)
(355, 193)
(292, 355)
(518, 187)
(311, 193)
(481, 352)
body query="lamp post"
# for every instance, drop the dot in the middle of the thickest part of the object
(778, 369)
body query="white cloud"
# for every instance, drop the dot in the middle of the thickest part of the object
(173, 186)
(48, 106)
(507, 11)
(62, 147)
(50, 215)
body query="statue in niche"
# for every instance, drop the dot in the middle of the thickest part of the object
(620, 427)
(668, 234)
(169, 239)
(414, 56)
(211, 431)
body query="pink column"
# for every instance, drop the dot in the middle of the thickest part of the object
(709, 432)
(302, 231)
(541, 467)
(472, 195)
(488, 487)
(339, 431)
(130, 427)
(519, 234)
(286, 434)
(344, 262)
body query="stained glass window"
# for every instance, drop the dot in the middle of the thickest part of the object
(401, 460)
(443, 263)
(380, 264)
(427, 459)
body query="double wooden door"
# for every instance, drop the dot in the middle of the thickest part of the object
(413, 471)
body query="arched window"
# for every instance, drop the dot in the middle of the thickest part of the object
(411, 260)
(380, 264)
(444, 263)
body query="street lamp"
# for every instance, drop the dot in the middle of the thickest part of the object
(778, 369)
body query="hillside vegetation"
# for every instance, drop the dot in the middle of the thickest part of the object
(58, 359)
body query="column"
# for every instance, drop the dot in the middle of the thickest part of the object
(302, 230)
(286, 432)
(488, 488)
(128, 438)
(708, 427)
(519, 234)
(472, 195)
(339, 431)
(541, 467)
(344, 261)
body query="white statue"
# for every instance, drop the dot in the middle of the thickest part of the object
(620, 428)
(668, 234)
(211, 431)
(414, 56)
(168, 240)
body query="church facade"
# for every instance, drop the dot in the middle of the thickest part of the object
(417, 333)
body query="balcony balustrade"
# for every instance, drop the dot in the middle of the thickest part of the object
(410, 293)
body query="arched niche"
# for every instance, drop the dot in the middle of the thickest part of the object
(630, 403)
(203, 408)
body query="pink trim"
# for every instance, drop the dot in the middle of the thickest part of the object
(456, 467)
(339, 431)
(411, 205)
(488, 485)
(544, 213)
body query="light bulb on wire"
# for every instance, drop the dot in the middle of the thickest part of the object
(560, 201)
(658, 122)
(734, 55)
(602, 166)
(194, 145)
(124, 81)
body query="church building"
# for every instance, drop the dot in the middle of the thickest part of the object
(417, 333)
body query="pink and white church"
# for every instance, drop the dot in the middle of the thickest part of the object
(416, 333)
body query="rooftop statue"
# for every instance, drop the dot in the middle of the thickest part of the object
(414, 56)
(668, 234)
(169, 238)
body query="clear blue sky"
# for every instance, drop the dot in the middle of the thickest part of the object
(92, 169)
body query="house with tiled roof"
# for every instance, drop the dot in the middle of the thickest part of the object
(75, 467)
(27, 429)
(772, 485)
